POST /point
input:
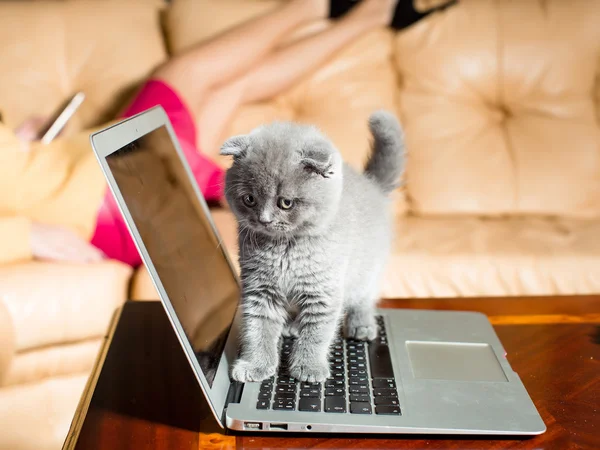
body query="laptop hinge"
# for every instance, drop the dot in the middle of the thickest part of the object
(234, 395)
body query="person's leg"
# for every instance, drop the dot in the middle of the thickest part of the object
(233, 52)
(285, 67)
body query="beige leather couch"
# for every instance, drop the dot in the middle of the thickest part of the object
(500, 101)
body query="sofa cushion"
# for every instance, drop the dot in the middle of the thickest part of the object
(57, 303)
(51, 49)
(456, 257)
(470, 256)
(188, 22)
(56, 360)
(497, 98)
(7, 341)
(38, 415)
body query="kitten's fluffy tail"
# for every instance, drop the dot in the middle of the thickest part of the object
(386, 163)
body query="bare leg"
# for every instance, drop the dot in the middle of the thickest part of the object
(285, 67)
(233, 52)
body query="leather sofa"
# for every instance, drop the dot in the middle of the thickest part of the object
(500, 101)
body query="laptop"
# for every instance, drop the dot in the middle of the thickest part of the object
(427, 372)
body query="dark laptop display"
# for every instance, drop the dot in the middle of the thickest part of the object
(179, 239)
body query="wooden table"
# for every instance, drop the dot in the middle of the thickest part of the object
(146, 396)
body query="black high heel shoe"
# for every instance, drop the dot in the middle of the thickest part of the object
(337, 8)
(405, 14)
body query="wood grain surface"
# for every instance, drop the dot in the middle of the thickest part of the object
(146, 397)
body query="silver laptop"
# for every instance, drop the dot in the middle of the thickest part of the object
(427, 372)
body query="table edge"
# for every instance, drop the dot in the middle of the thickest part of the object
(84, 402)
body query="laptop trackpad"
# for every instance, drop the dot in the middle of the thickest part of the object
(454, 361)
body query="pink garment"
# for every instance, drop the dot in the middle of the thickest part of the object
(111, 234)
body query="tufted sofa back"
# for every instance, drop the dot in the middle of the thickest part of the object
(500, 99)
(52, 49)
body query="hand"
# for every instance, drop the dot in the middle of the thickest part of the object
(56, 243)
(29, 130)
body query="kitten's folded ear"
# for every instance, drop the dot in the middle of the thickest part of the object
(236, 146)
(323, 161)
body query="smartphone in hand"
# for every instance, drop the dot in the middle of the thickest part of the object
(58, 122)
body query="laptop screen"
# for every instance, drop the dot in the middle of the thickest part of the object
(187, 256)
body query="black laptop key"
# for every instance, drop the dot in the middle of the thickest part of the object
(285, 395)
(307, 385)
(357, 365)
(391, 401)
(338, 373)
(354, 375)
(358, 381)
(284, 388)
(387, 410)
(286, 380)
(309, 404)
(380, 360)
(358, 373)
(266, 388)
(335, 382)
(360, 398)
(384, 383)
(360, 408)
(264, 395)
(262, 404)
(335, 404)
(288, 406)
(335, 391)
(385, 392)
(358, 389)
(356, 360)
(310, 392)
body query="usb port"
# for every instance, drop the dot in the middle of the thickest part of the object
(252, 426)
(279, 426)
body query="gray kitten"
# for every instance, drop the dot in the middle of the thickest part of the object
(314, 236)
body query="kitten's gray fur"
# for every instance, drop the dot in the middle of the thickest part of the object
(302, 269)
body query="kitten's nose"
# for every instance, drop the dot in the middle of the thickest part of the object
(265, 218)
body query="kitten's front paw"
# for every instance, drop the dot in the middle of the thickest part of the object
(360, 325)
(249, 371)
(312, 372)
(361, 332)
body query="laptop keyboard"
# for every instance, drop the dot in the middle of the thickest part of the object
(362, 381)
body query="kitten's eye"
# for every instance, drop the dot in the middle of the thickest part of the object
(285, 203)
(249, 200)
